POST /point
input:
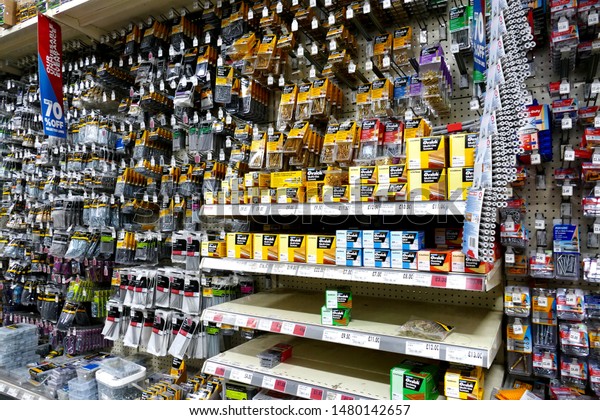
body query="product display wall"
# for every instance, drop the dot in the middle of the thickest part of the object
(264, 200)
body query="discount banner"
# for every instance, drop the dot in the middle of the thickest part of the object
(50, 72)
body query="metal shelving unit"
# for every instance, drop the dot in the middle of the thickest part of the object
(470, 282)
(475, 340)
(406, 208)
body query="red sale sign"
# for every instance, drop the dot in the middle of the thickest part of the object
(50, 75)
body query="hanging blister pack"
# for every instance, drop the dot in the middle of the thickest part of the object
(574, 339)
(519, 346)
(574, 372)
(192, 261)
(134, 329)
(163, 288)
(179, 242)
(184, 337)
(158, 343)
(112, 325)
(570, 304)
(177, 291)
(517, 301)
(191, 295)
(545, 363)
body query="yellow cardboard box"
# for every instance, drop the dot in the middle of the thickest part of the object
(292, 248)
(239, 245)
(320, 249)
(266, 246)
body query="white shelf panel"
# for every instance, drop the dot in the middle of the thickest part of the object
(475, 340)
(423, 208)
(316, 370)
(471, 282)
(79, 18)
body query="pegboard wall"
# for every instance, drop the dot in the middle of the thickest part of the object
(547, 201)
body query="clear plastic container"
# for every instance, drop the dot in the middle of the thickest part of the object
(127, 388)
(87, 372)
(120, 368)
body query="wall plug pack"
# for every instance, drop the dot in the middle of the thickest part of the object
(158, 344)
(191, 294)
(184, 337)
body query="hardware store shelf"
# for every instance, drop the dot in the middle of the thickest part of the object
(475, 340)
(319, 371)
(472, 282)
(82, 17)
(316, 370)
(19, 392)
(417, 208)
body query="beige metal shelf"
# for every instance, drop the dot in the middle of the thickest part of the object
(317, 370)
(475, 340)
(455, 281)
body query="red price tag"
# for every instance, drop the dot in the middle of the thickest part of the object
(316, 394)
(347, 397)
(276, 327)
(218, 318)
(220, 371)
(299, 330)
(252, 323)
(280, 385)
(438, 281)
(474, 283)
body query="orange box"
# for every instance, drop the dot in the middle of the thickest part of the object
(434, 260)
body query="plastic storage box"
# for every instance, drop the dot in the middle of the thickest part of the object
(112, 388)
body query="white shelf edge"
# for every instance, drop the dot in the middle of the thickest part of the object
(453, 281)
(285, 386)
(405, 208)
(19, 392)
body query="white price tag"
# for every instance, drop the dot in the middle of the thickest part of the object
(569, 155)
(313, 3)
(314, 24)
(294, 25)
(420, 209)
(509, 258)
(210, 368)
(466, 356)
(287, 328)
(13, 392)
(242, 376)
(351, 67)
(331, 19)
(241, 321)
(540, 258)
(337, 336)
(300, 51)
(571, 300)
(332, 45)
(567, 190)
(516, 298)
(303, 391)
(328, 3)
(349, 13)
(279, 7)
(593, 19)
(542, 301)
(314, 50)
(345, 273)
(536, 159)
(563, 25)
(369, 65)
(427, 350)
(596, 158)
(517, 329)
(547, 363)
(597, 191)
(265, 324)
(575, 370)
(367, 8)
(387, 4)
(566, 123)
(540, 224)
(597, 228)
(366, 340)
(454, 48)
(565, 88)
(268, 382)
(474, 105)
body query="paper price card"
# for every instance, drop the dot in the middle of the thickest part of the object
(336, 336)
(466, 356)
(366, 340)
(428, 350)
(265, 324)
(303, 391)
(214, 369)
(241, 376)
(272, 383)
